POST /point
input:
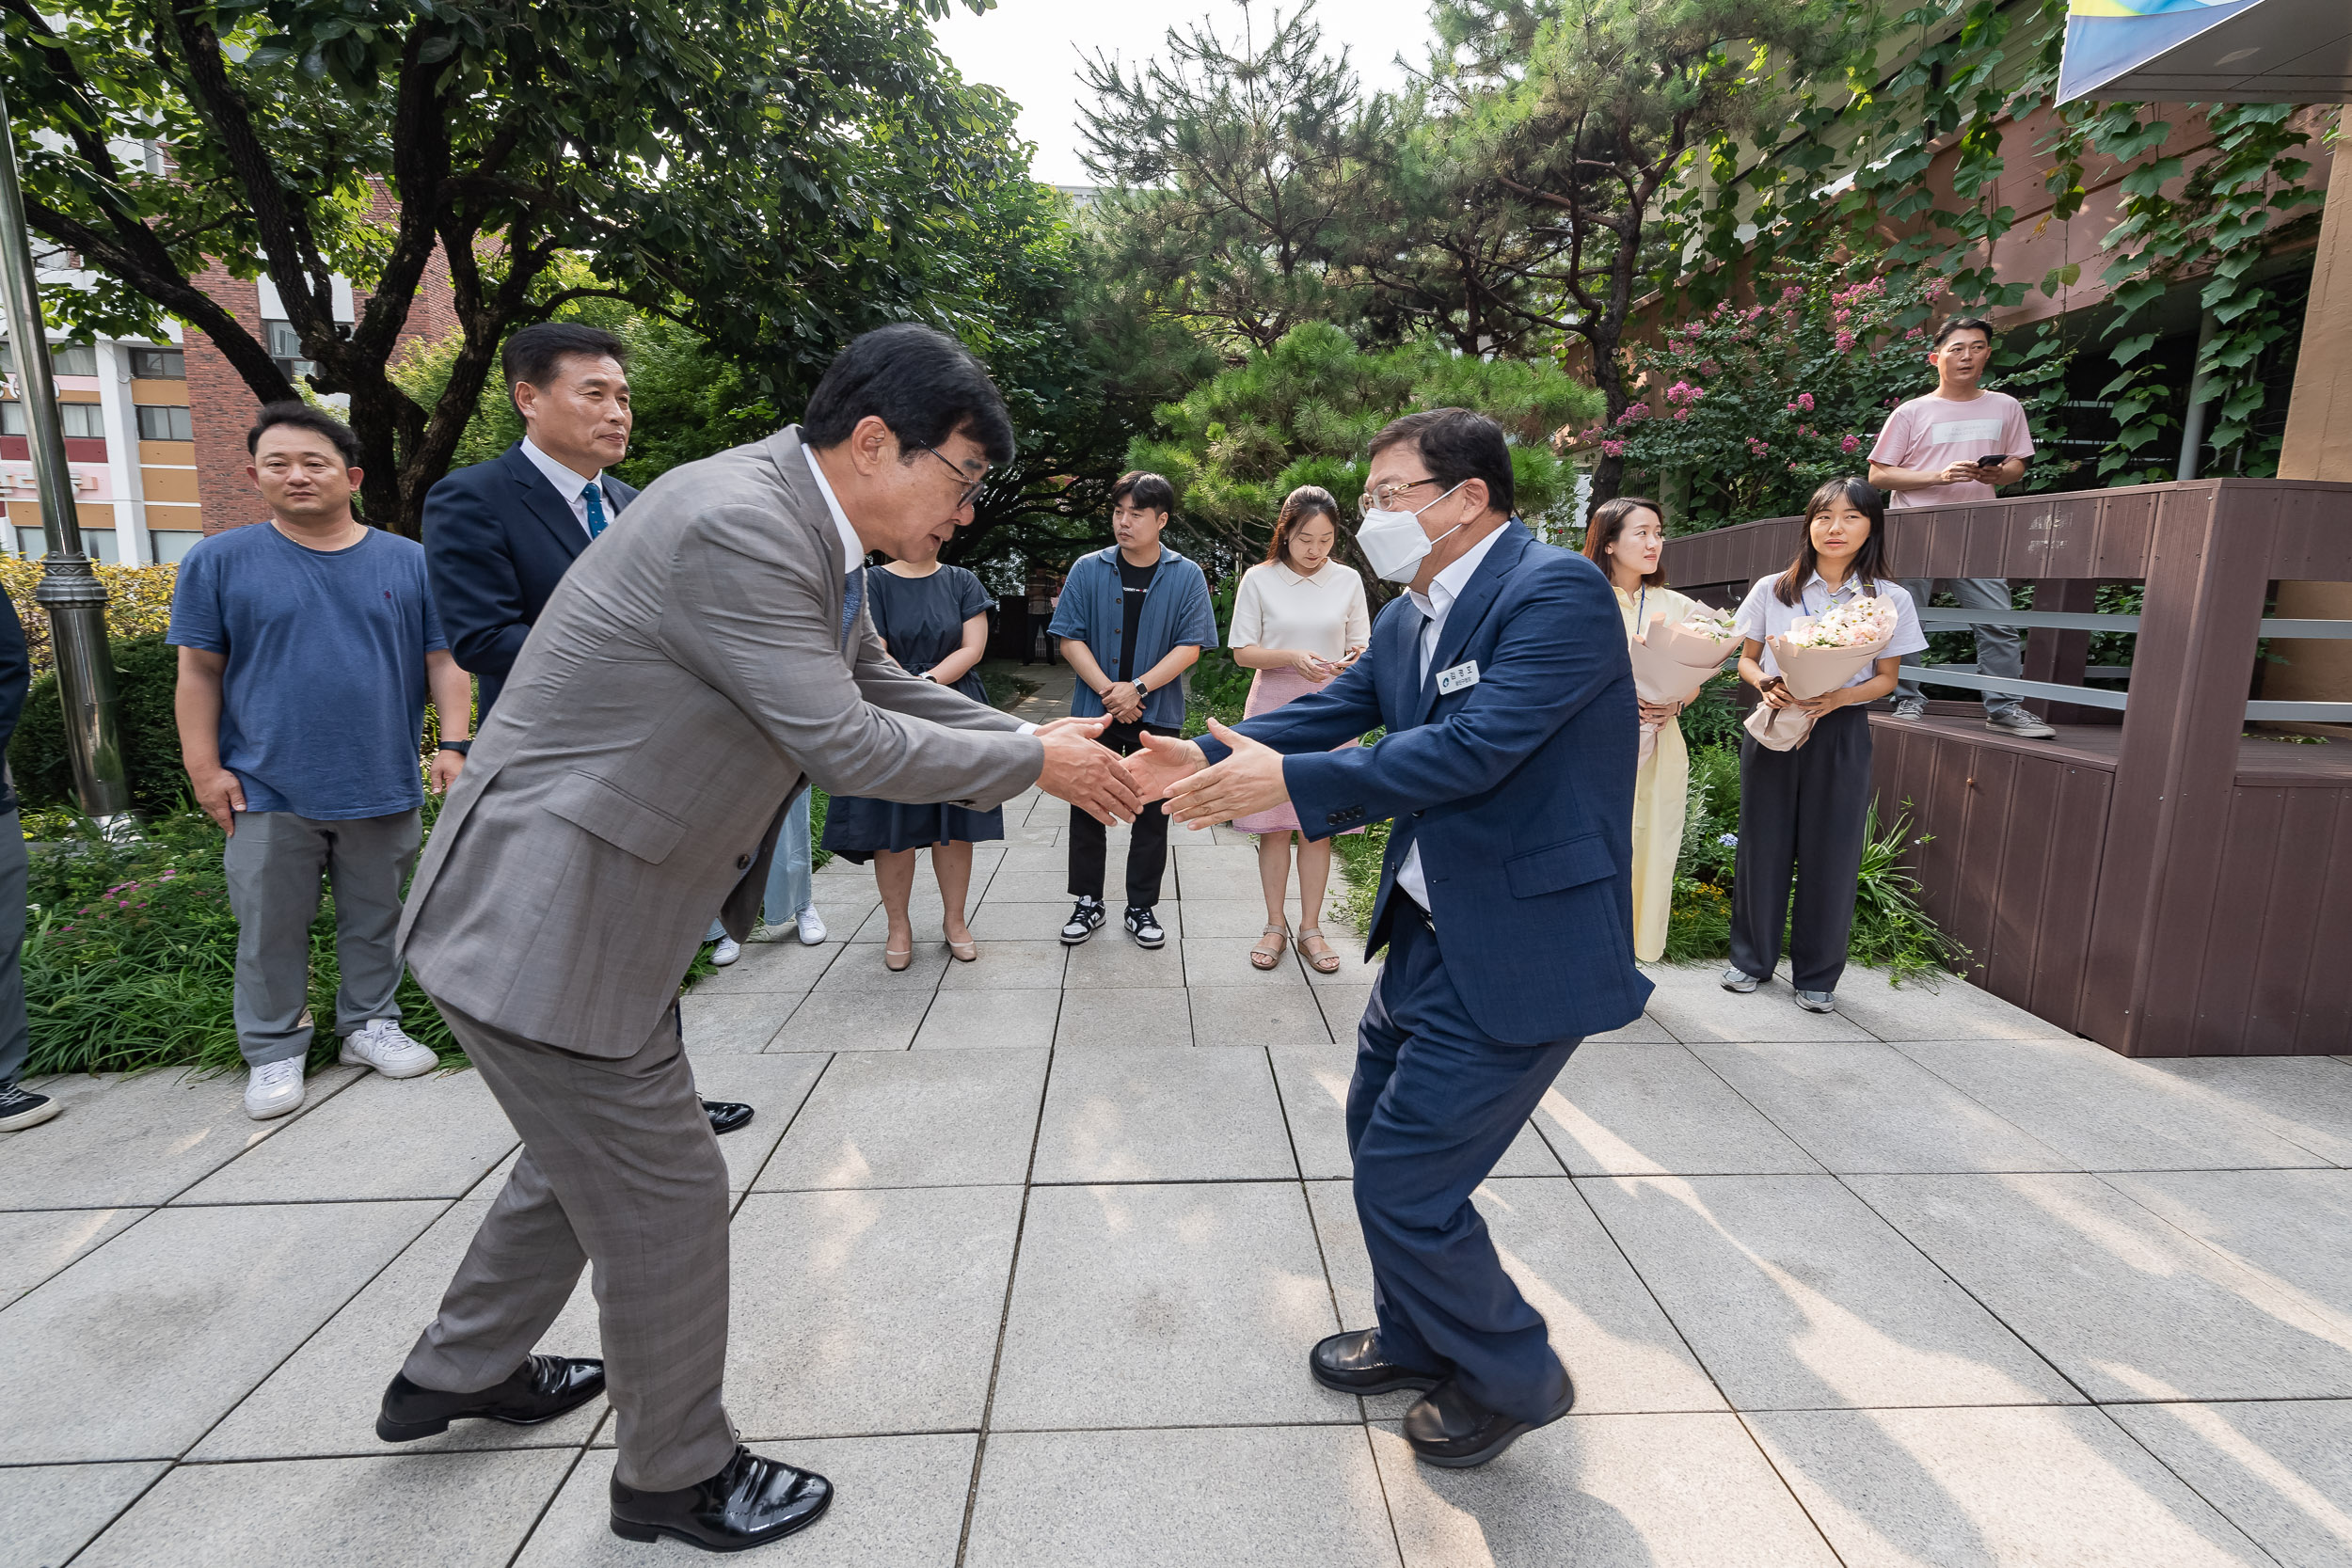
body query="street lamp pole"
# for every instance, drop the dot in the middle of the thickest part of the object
(70, 591)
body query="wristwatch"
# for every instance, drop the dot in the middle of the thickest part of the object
(460, 747)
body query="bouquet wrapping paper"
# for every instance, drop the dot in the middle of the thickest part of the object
(1817, 656)
(1672, 661)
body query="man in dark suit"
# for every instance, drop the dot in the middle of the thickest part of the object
(1505, 901)
(500, 535)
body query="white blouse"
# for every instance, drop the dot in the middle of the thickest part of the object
(1323, 614)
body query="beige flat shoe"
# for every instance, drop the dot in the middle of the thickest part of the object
(1264, 958)
(964, 952)
(1323, 961)
(896, 958)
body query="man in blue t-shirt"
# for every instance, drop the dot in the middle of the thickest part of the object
(308, 646)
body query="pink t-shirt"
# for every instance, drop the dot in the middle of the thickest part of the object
(1934, 432)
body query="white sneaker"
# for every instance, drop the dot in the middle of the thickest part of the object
(725, 950)
(812, 926)
(382, 1044)
(273, 1089)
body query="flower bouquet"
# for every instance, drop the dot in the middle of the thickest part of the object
(1672, 661)
(1817, 656)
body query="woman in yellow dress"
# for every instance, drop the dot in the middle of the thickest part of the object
(1625, 539)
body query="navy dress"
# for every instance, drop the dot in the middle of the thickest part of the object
(922, 621)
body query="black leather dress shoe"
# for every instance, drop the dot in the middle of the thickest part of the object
(750, 1503)
(1446, 1427)
(542, 1389)
(726, 1115)
(1351, 1363)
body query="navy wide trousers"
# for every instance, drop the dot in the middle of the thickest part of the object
(1434, 1104)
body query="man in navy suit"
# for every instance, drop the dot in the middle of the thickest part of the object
(500, 535)
(1505, 901)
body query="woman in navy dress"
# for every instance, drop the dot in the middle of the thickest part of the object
(934, 621)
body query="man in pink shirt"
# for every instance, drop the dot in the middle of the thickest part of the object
(1933, 450)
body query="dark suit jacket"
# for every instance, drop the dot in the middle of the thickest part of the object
(1519, 788)
(497, 538)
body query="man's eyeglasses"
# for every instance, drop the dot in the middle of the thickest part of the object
(972, 487)
(1384, 497)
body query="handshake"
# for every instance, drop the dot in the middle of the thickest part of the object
(1111, 788)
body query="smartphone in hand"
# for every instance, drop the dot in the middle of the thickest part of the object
(1993, 461)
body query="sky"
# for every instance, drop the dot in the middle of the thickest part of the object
(1031, 48)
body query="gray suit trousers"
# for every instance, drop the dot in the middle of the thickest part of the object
(619, 1168)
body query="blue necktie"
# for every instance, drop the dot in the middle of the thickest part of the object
(594, 494)
(852, 596)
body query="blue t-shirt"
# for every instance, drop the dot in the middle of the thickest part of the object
(322, 701)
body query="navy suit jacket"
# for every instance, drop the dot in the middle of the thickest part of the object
(497, 538)
(1517, 788)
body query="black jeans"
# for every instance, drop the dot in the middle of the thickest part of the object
(1800, 812)
(1147, 845)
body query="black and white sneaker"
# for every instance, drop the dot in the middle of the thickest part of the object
(1086, 918)
(1144, 925)
(21, 1108)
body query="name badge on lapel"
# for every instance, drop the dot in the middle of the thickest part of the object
(1461, 677)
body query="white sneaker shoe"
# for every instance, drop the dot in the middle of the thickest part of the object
(812, 926)
(273, 1089)
(382, 1044)
(725, 950)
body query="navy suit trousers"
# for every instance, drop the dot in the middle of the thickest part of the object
(1434, 1104)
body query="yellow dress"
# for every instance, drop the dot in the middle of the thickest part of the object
(1661, 792)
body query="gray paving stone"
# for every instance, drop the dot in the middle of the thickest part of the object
(1652, 1490)
(897, 1503)
(2305, 1099)
(1163, 1114)
(1342, 1008)
(929, 1118)
(452, 1510)
(859, 1313)
(2106, 1112)
(852, 1020)
(1622, 1352)
(1225, 961)
(49, 1512)
(1043, 887)
(1236, 880)
(323, 1400)
(1976, 1488)
(2287, 1225)
(1693, 1007)
(1180, 1500)
(1645, 1030)
(1159, 1015)
(1627, 1110)
(1862, 1106)
(1001, 920)
(861, 969)
(1191, 1305)
(1210, 855)
(776, 968)
(744, 1021)
(134, 1142)
(432, 1137)
(925, 912)
(1256, 1015)
(2280, 1470)
(1110, 960)
(1010, 966)
(1036, 860)
(1946, 1008)
(36, 1243)
(1227, 917)
(2128, 1305)
(1795, 1295)
(136, 1351)
(1017, 1020)
(1314, 1078)
(773, 1086)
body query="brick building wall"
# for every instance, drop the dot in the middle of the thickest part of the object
(221, 408)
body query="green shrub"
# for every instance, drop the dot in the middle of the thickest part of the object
(145, 672)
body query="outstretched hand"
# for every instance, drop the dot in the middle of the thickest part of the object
(1162, 762)
(1248, 781)
(1086, 774)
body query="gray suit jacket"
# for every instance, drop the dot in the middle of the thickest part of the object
(686, 680)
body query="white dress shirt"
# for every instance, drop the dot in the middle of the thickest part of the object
(567, 484)
(1323, 614)
(1436, 604)
(1763, 617)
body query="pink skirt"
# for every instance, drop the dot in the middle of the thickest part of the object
(1269, 690)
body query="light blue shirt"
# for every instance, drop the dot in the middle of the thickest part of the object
(1176, 612)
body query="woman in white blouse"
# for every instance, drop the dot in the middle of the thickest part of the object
(1300, 618)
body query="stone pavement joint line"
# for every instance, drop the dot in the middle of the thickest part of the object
(1028, 1254)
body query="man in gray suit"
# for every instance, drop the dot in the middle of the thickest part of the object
(690, 674)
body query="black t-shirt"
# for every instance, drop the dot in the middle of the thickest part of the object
(1134, 582)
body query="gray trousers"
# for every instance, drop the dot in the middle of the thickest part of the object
(274, 860)
(16, 1042)
(2000, 650)
(619, 1168)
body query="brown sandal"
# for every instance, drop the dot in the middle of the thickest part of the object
(1325, 962)
(1263, 957)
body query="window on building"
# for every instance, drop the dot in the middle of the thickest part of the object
(171, 544)
(285, 346)
(165, 422)
(75, 360)
(12, 419)
(83, 422)
(159, 364)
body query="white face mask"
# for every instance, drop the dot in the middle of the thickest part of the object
(1394, 543)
